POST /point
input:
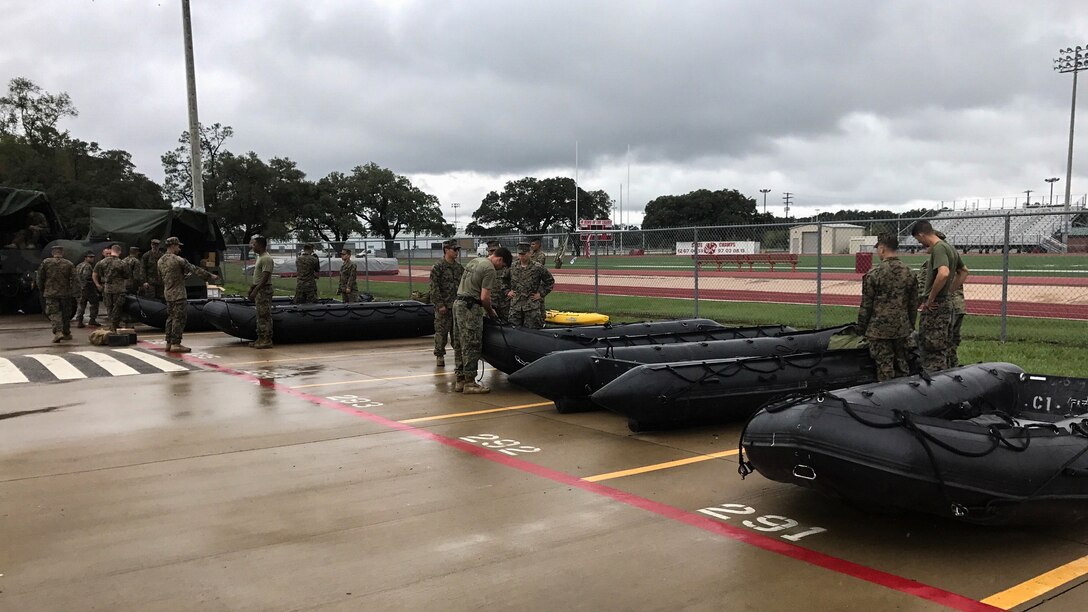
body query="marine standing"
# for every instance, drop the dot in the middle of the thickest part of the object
(887, 314)
(153, 287)
(500, 287)
(88, 292)
(111, 277)
(959, 307)
(135, 283)
(261, 292)
(55, 279)
(473, 301)
(306, 267)
(529, 283)
(946, 274)
(349, 278)
(445, 277)
(172, 269)
(537, 254)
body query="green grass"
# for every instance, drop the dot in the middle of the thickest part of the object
(1044, 346)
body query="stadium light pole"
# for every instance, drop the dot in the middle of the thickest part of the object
(194, 123)
(455, 206)
(1052, 180)
(764, 192)
(1071, 59)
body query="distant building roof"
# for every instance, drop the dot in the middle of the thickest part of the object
(846, 225)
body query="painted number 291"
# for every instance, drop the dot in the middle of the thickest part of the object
(769, 523)
(503, 445)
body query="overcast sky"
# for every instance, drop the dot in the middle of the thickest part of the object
(845, 104)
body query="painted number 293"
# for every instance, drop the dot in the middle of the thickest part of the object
(768, 523)
(503, 445)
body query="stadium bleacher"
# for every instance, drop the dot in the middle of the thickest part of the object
(1030, 229)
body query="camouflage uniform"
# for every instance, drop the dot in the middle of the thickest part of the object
(307, 267)
(55, 280)
(499, 287)
(959, 310)
(524, 281)
(935, 326)
(262, 300)
(172, 270)
(887, 314)
(135, 282)
(88, 293)
(349, 278)
(541, 258)
(150, 262)
(468, 314)
(113, 276)
(445, 277)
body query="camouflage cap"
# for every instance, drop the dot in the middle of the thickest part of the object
(156, 241)
(523, 247)
(133, 250)
(451, 244)
(174, 240)
(89, 254)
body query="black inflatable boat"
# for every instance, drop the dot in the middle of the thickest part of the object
(664, 395)
(984, 443)
(508, 348)
(326, 322)
(153, 312)
(569, 377)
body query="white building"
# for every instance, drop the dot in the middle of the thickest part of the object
(835, 240)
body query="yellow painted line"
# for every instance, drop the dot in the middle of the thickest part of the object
(326, 357)
(475, 412)
(659, 466)
(1039, 585)
(371, 380)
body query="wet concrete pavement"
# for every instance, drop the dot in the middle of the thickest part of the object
(347, 477)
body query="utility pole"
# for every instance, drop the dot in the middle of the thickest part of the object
(196, 169)
(1028, 205)
(786, 198)
(764, 192)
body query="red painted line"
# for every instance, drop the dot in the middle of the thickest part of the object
(793, 551)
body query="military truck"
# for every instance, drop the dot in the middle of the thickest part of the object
(27, 223)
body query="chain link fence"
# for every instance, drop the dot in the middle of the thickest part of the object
(1026, 265)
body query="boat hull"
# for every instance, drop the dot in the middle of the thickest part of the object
(326, 322)
(153, 312)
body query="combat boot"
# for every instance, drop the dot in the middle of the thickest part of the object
(81, 324)
(66, 337)
(177, 348)
(440, 361)
(459, 386)
(57, 337)
(262, 344)
(471, 387)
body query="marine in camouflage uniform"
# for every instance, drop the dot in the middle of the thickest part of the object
(469, 309)
(445, 277)
(172, 269)
(55, 279)
(887, 313)
(111, 277)
(537, 255)
(349, 278)
(261, 292)
(87, 298)
(153, 282)
(937, 308)
(529, 283)
(959, 310)
(500, 287)
(307, 266)
(135, 283)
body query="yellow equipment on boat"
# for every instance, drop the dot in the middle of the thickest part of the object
(575, 318)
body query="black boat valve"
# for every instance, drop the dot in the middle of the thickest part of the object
(804, 472)
(959, 510)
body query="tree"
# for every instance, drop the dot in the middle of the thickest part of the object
(30, 115)
(700, 208)
(177, 166)
(258, 198)
(332, 213)
(530, 205)
(390, 204)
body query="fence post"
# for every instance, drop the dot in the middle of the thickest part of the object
(596, 273)
(1005, 279)
(819, 269)
(695, 260)
(410, 267)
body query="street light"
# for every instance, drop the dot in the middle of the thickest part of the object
(455, 206)
(1071, 59)
(1052, 180)
(764, 192)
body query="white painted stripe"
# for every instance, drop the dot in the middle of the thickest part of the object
(107, 363)
(60, 367)
(163, 364)
(10, 374)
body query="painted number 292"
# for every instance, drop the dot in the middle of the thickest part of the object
(769, 523)
(503, 445)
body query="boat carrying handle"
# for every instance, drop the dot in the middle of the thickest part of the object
(804, 472)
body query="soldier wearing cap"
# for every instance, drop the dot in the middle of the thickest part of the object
(445, 276)
(152, 287)
(500, 287)
(473, 301)
(261, 292)
(173, 269)
(111, 277)
(307, 266)
(529, 283)
(55, 279)
(887, 313)
(87, 297)
(349, 278)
